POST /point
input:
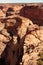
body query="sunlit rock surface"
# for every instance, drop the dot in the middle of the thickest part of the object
(21, 33)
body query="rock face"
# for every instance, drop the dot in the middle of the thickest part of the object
(33, 12)
(21, 34)
(2, 15)
(33, 45)
(2, 47)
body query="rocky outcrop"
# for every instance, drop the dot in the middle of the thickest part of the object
(2, 47)
(33, 44)
(21, 34)
(35, 13)
(29, 11)
(12, 34)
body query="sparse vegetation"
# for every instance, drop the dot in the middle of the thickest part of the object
(40, 61)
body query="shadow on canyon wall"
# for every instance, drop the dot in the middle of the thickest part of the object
(35, 13)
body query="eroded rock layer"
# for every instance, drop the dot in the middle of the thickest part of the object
(21, 34)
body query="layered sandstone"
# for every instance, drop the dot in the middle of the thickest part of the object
(21, 34)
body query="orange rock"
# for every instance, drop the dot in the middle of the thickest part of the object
(2, 47)
(2, 15)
